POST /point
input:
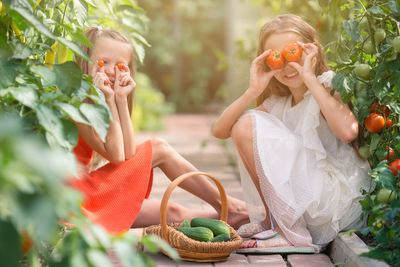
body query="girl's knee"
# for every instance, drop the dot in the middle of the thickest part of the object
(175, 212)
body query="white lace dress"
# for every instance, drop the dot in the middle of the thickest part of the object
(310, 180)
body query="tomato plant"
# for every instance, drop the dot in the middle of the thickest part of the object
(380, 109)
(374, 123)
(395, 166)
(26, 244)
(292, 52)
(275, 60)
(367, 63)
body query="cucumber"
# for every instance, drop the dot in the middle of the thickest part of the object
(220, 238)
(197, 233)
(216, 226)
(186, 223)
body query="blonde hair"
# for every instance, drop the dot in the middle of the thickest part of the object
(93, 34)
(288, 23)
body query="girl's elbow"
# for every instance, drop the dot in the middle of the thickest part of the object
(351, 134)
(220, 134)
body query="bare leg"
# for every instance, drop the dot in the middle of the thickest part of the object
(174, 165)
(242, 136)
(149, 213)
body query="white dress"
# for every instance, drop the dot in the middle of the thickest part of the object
(310, 179)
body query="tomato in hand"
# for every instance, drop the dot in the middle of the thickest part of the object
(26, 244)
(100, 63)
(120, 66)
(389, 123)
(395, 166)
(374, 123)
(292, 52)
(379, 109)
(275, 60)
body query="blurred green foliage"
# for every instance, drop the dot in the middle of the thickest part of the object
(182, 62)
(150, 105)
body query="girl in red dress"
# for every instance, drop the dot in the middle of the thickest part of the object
(116, 194)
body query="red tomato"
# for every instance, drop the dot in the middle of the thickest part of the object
(292, 52)
(389, 123)
(378, 109)
(120, 66)
(275, 60)
(27, 243)
(395, 166)
(374, 123)
(390, 154)
(100, 63)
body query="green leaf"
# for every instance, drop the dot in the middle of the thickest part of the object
(393, 6)
(62, 132)
(140, 38)
(101, 235)
(98, 258)
(351, 27)
(140, 51)
(10, 252)
(376, 138)
(7, 74)
(376, 10)
(47, 75)
(75, 48)
(80, 9)
(69, 77)
(152, 242)
(32, 19)
(25, 94)
(72, 112)
(98, 117)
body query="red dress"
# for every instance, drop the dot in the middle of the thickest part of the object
(114, 193)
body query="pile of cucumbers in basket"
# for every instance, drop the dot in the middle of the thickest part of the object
(206, 230)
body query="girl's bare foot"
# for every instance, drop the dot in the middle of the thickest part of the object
(237, 213)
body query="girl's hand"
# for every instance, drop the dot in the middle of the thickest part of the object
(101, 81)
(259, 78)
(307, 71)
(124, 84)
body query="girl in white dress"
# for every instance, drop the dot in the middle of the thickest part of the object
(302, 180)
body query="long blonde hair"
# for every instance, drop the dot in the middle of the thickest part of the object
(93, 34)
(288, 23)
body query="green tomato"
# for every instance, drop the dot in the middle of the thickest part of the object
(386, 196)
(369, 47)
(379, 35)
(363, 71)
(364, 151)
(396, 44)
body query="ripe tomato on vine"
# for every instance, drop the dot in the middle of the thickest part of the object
(380, 109)
(374, 123)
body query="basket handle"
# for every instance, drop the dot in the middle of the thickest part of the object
(174, 184)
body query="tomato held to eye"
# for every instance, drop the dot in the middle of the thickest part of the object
(120, 66)
(292, 52)
(395, 166)
(100, 63)
(275, 60)
(374, 123)
(380, 109)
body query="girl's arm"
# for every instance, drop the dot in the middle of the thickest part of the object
(259, 80)
(337, 114)
(123, 86)
(113, 147)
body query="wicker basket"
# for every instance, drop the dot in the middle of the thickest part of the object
(190, 249)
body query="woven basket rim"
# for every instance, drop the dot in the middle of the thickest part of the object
(179, 240)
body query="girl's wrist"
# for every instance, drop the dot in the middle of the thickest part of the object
(121, 98)
(310, 79)
(251, 94)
